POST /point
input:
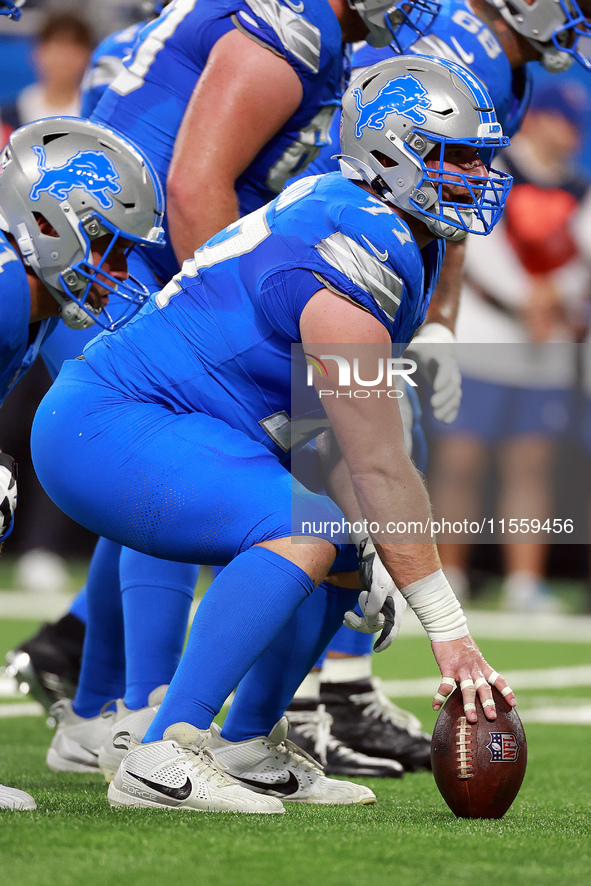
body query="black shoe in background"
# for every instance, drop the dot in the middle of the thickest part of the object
(47, 665)
(367, 721)
(310, 730)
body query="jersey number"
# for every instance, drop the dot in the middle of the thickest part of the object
(473, 25)
(302, 150)
(247, 234)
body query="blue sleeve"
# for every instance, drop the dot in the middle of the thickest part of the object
(283, 297)
(15, 308)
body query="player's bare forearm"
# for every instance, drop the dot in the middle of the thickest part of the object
(190, 224)
(369, 502)
(445, 302)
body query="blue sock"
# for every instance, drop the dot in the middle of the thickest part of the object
(102, 676)
(242, 612)
(264, 693)
(78, 607)
(157, 596)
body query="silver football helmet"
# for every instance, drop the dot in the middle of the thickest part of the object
(405, 111)
(559, 29)
(86, 182)
(399, 22)
(11, 8)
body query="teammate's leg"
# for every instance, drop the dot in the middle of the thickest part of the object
(156, 597)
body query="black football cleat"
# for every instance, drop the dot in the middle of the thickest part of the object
(310, 729)
(47, 665)
(365, 720)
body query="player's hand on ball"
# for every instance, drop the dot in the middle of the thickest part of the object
(380, 601)
(8, 493)
(462, 663)
(433, 349)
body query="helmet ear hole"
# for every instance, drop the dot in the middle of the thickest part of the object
(384, 160)
(45, 227)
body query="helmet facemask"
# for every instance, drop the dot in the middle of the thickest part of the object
(11, 8)
(126, 297)
(453, 204)
(399, 23)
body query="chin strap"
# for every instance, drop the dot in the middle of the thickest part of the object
(554, 60)
(74, 316)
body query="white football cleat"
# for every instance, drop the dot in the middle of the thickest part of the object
(180, 772)
(125, 724)
(76, 743)
(11, 798)
(275, 766)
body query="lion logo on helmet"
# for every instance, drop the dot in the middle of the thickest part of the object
(404, 95)
(92, 171)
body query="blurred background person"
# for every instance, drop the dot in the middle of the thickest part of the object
(60, 57)
(525, 286)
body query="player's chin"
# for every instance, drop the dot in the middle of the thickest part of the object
(98, 298)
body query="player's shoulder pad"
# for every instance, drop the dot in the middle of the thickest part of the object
(372, 245)
(285, 27)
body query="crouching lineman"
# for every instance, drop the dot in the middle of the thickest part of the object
(192, 439)
(73, 198)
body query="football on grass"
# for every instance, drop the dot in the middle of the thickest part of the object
(478, 767)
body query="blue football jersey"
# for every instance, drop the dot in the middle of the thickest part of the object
(19, 343)
(148, 99)
(218, 338)
(106, 63)
(458, 35)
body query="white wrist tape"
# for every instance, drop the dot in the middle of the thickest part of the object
(437, 607)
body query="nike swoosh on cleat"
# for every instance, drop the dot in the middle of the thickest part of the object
(467, 57)
(175, 793)
(285, 788)
(383, 256)
(297, 7)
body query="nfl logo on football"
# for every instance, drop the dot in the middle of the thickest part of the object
(503, 747)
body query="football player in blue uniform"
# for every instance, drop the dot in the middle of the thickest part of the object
(267, 78)
(195, 438)
(497, 41)
(73, 198)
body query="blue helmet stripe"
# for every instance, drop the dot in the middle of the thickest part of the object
(478, 91)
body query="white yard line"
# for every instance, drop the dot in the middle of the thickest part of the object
(569, 716)
(513, 626)
(485, 625)
(37, 607)
(25, 709)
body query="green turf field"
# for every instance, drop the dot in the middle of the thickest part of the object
(409, 837)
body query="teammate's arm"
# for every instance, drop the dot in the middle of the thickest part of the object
(433, 347)
(243, 98)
